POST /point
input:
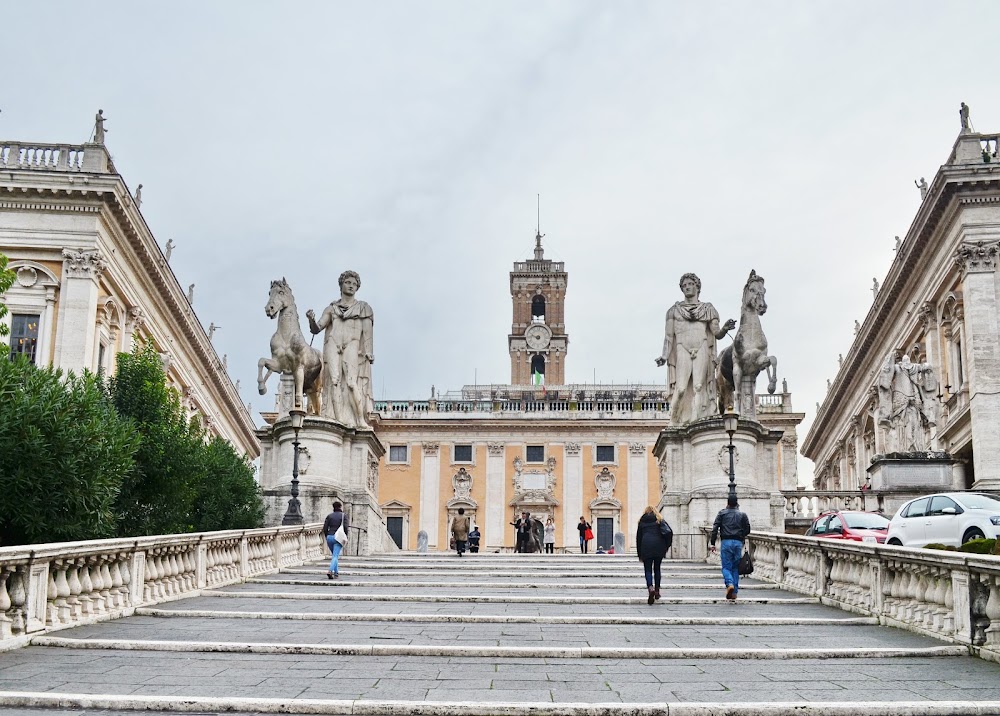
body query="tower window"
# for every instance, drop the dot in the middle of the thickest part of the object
(537, 370)
(24, 335)
(538, 308)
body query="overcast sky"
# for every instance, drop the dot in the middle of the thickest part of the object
(408, 141)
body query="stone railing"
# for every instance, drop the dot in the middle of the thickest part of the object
(45, 587)
(948, 595)
(808, 504)
(54, 157)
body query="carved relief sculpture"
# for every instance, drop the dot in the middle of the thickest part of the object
(689, 352)
(461, 482)
(290, 354)
(84, 264)
(605, 483)
(347, 355)
(907, 408)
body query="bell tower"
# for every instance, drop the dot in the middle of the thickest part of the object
(538, 340)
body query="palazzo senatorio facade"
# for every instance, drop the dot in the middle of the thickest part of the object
(939, 306)
(92, 281)
(535, 444)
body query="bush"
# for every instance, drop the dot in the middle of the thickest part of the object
(64, 453)
(7, 278)
(979, 546)
(946, 548)
(228, 496)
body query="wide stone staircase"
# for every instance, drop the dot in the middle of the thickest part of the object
(494, 634)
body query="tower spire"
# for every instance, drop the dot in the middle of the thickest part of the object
(539, 252)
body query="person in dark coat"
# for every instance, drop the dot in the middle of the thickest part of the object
(652, 540)
(334, 521)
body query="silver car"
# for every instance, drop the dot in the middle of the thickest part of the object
(949, 518)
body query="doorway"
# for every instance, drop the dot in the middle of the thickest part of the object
(605, 533)
(395, 527)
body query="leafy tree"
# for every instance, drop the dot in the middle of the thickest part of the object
(6, 281)
(64, 453)
(228, 496)
(157, 497)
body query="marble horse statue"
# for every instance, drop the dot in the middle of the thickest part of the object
(742, 362)
(290, 353)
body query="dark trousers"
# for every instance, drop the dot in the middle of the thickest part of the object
(474, 547)
(522, 542)
(652, 569)
(550, 548)
(460, 545)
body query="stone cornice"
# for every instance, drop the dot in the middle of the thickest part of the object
(952, 185)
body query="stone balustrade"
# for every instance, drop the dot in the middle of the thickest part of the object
(88, 158)
(45, 587)
(949, 595)
(809, 504)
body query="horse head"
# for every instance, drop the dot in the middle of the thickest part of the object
(279, 299)
(753, 294)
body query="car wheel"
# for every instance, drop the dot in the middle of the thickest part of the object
(895, 542)
(973, 533)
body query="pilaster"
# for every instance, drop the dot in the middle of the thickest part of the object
(77, 325)
(572, 493)
(978, 263)
(495, 502)
(430, 490)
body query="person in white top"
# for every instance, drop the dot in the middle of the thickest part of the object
(550, 536)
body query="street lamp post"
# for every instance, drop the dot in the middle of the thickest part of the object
(730, 421)
(293, 515)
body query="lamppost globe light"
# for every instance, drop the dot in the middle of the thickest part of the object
(730, 421)
(298, 417)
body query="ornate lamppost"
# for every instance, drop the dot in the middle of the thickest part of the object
(730, 421)
(293, 515)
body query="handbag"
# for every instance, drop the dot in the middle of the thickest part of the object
(589, 534)
(666, 533)
(340, 535)
(746, 564)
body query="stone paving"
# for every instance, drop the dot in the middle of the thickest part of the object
(377, 636)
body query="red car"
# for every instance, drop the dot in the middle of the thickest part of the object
(857, 526)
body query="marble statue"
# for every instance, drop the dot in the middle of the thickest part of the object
(212, 328)
(347, 355)
(899, 244)
(840, 360)
(225, 361)
(747, 357)
(168, 249)
(907, 406)
(237, 385)
(138, 196)
(963, 116)
(922, 186)
(422, 541)
(99, 129)
(857, 326)
(290, 354)
(190, 295)
(689, 351)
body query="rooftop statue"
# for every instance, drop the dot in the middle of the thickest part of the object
(922, 186)
(963, 116)
(689, 351)
(99, 129)
(290, 354)
(907, 405)
(347, 355)
(747, 357)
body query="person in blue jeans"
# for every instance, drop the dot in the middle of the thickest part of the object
(733, 526)
(333, 522)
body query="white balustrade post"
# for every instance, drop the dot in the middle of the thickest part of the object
(138, 578)
(244, 557)
(276, 545)
(201, 566)
(36, 607)
(878, 586)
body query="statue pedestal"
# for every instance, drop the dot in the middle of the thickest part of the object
(694, 479)
(913, 472)
(335, 463)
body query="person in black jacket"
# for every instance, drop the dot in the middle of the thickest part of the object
(334, 521)
(652, 540)
(734, 527)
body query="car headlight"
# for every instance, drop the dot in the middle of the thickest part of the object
(995, 520)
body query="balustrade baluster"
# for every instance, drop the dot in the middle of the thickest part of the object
(993, 611)
(6, 623)
(18, 596)
(75, 588)
(86, 588)
(106, 582)
(117, 585)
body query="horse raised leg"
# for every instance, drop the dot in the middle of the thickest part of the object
(272, 367)
(772, 374)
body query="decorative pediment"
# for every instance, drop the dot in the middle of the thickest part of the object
(395, 505)
(534, 485)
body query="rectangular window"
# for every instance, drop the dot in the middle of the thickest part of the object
(24, 335)
(535, 453)
(463, 453)
(605, 453)
(397, 453)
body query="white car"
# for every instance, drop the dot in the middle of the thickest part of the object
(950, 518)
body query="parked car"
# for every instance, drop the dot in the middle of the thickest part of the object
(850, 525)
(949, 518)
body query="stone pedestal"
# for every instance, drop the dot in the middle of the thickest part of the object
(335, 463)
(912, 472)
(694, 479)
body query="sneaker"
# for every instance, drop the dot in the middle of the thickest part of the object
(730, 592)
(329, 575)
(336, 575)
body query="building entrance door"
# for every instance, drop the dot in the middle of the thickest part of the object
(395, 526)
(605, 533)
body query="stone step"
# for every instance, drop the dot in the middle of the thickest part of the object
(507, 584)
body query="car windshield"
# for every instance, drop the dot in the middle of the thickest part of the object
(980, 502)
(866, 521)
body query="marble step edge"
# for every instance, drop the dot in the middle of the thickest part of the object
(340, 584)
(507, 619)
(535, 652)
(506, 599)
(626, 570)
(363, 707)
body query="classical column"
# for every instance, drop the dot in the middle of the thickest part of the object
(43, 357)
(978, 262)
(77, 325)
(430, 493)
(496, 505)
(572, 493)
(638, 489)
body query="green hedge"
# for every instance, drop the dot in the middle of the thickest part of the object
(976, 546)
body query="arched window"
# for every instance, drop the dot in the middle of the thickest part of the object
(537, 369)
(538, 308)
